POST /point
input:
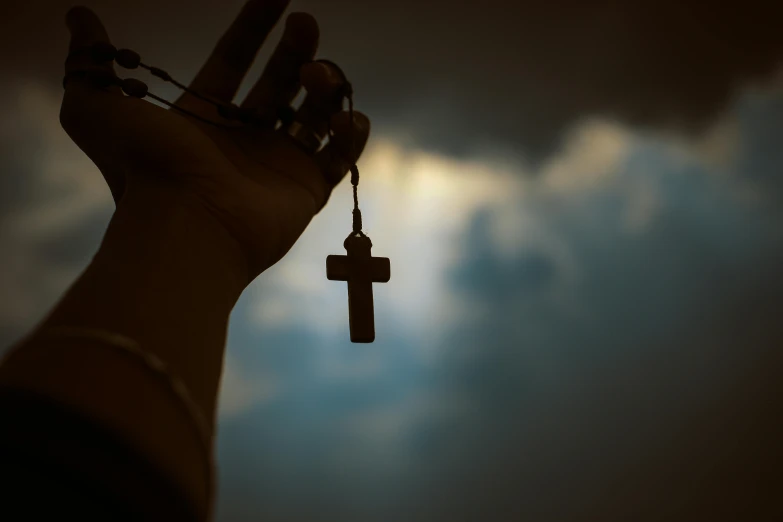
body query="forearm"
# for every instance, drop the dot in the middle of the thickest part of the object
(165, 276)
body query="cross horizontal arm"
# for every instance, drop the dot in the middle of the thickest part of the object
(380, 269)
(337, 268)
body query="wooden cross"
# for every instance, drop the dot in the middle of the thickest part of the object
(361, 270)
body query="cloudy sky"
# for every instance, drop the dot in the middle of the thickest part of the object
(582, 206)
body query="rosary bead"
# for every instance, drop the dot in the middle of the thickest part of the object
(103, 52)
(160, 73)
(134, 87)
(127, 58)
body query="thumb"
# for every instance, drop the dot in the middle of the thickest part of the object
(82, 97)
(87, 110)
(86, 30)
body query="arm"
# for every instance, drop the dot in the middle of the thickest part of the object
(201, 211)
(165, 276)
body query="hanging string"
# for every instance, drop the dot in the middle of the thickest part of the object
(357, 213)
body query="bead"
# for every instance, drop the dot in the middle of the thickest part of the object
(127, 58)
(334, 67)
(134, 87)
(229, 112)
(103, 52)
(160, 73)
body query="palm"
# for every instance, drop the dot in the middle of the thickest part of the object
(261, 185)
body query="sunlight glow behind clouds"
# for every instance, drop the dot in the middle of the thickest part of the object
(417, 207)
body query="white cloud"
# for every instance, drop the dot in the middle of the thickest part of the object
(359, 365)
(69, 190)
(592, 154)
(377, 442)
(71, 186)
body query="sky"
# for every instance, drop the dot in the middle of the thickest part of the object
(582, 207)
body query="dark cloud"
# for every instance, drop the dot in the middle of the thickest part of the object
(454, 75)
(521, 72)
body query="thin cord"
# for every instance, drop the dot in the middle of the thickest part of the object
(185, 111)
(166, 77)
(357, 213)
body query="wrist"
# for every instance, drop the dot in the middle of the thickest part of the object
(179, 230)
(166, 275)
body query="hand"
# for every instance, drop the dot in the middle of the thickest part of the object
(256, 182)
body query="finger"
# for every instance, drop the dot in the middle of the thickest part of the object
(345, 146)
(225, 68)
(279, 83)
(86, 30)
(87, 110)
(81, 92)
(324, 84)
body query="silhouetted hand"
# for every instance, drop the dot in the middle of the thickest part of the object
(260, 186)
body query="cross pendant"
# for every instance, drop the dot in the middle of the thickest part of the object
(360, 270)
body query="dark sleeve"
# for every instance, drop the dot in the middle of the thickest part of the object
(58, 465)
